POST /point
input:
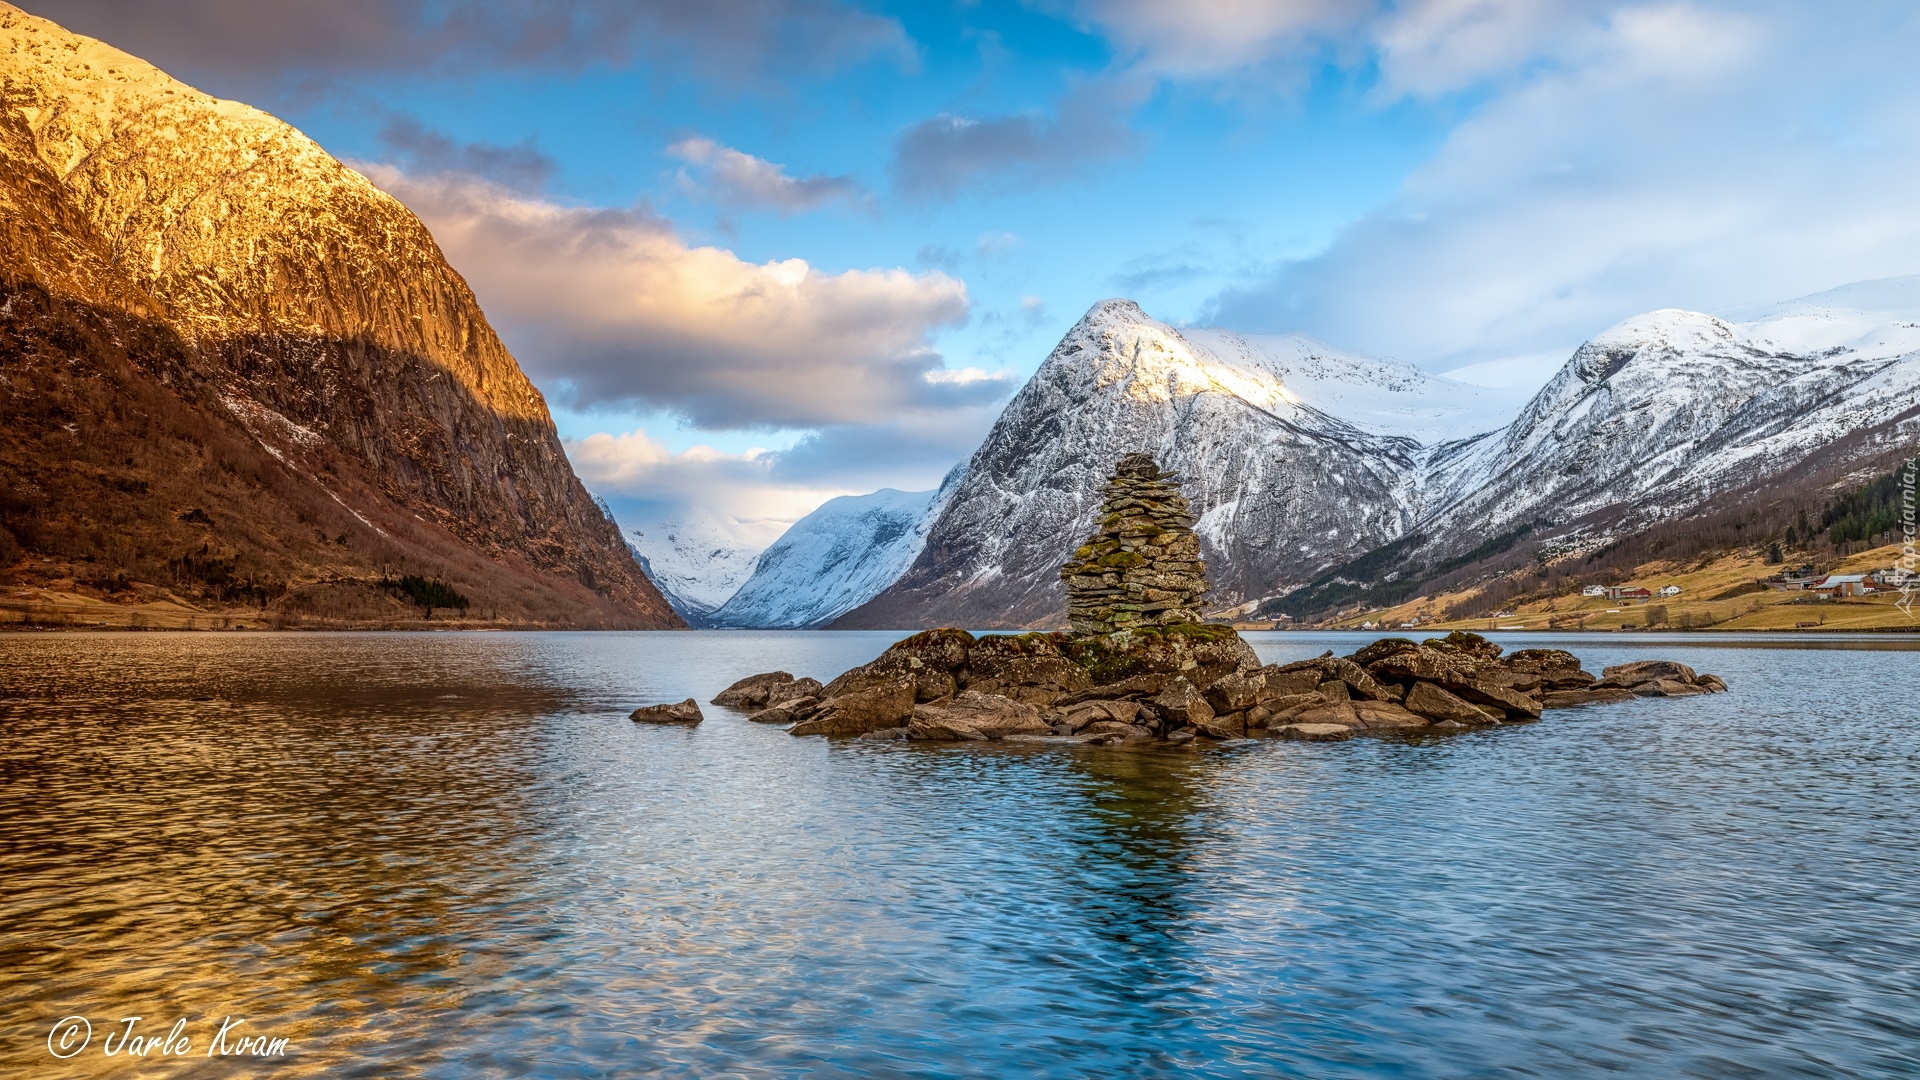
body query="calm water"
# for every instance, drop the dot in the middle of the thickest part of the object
(452, 855)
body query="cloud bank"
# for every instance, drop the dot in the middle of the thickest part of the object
(611, 308)
(946, 155)
(249, 42)
(737, 179)
(1619, 161)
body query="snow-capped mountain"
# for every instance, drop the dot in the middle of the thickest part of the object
(1299, 458)
(1656, 415)
(833, 560)
(699, 558)
(1294, 454)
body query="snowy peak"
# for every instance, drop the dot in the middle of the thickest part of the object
(831, 561)
(1380, 397)
(699, 558)
(1117, 343)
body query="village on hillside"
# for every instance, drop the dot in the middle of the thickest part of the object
(1739, 591)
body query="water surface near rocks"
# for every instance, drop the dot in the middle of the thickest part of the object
(451, 855)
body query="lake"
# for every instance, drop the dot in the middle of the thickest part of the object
(452, 855)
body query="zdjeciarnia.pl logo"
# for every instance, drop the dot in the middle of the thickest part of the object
(73, 1034)
(1906, 570)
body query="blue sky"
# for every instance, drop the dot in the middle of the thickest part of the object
(762, 252)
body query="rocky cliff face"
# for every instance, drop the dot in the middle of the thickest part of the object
(287, 305)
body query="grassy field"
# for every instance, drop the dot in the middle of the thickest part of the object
(1724, 594)
(155, 609)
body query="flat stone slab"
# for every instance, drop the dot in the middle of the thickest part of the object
(1315, 732)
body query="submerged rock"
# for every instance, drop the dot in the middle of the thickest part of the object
(681, 712)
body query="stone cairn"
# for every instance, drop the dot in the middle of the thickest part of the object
(1142, 565)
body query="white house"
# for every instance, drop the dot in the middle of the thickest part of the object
(1834, 586)
(1594, 590)
(1669, 590)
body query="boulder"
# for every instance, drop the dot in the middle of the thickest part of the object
(1291, 680)
(1516, 704)
(870, 697)
(1283, 710)
(1202, 653)
(1557, 669)
(1229, 726)
(1386, 716)
(785, 711)
(1459, 673)
(1337, 712)
(1024, 667)
(1358, 682)
(1236, 691)
(891, 734)
(972, 715)
(1434, 703)
(1382, 649)
(872, 686)
(1334, 690)
(1092, 712)
(1315, 732)
(1181, 704)
(1140, 686)
(1628, 676)
(755, 691)
(944, 649)
(682, 712)
(1713, 684)
(1606, 695)
(1465, 643)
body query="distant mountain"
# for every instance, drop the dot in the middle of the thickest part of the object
(1665, 417)
(698, 559)
(1294, 454)
(1322, 478)
(832, 560)
(238, 373)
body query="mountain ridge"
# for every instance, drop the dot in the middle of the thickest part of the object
(1646, 422)
(281, 294)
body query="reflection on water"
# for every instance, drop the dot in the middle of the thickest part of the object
(451, 855)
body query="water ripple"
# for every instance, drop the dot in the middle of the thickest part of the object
(449, 855)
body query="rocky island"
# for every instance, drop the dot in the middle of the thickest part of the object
(1139, 665)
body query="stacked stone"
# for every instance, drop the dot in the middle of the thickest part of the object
(1142, 565)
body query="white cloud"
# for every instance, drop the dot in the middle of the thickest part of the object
(636, 466)
(733, 178)
(1208, 37)
(1666, 155)
(610, 307)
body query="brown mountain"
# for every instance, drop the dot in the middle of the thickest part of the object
(233, 370)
